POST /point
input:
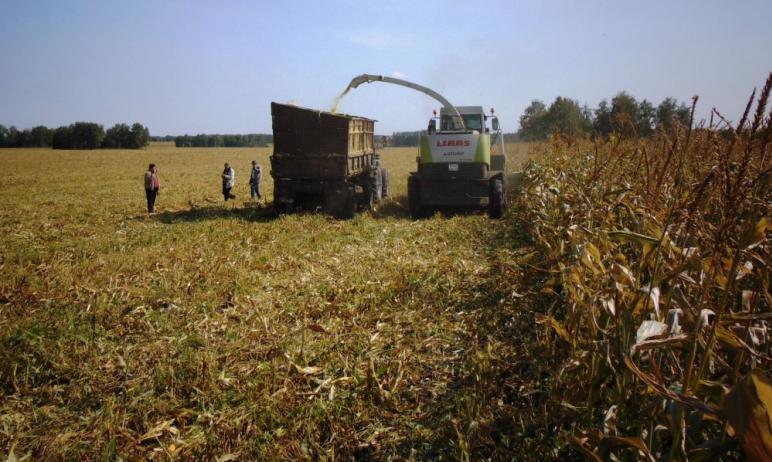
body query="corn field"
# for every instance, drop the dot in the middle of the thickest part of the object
(655, 289)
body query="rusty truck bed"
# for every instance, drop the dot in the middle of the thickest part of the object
(311, 144)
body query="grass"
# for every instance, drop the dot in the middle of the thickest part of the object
(214, 330)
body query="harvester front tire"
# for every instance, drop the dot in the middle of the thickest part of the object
(414, 198)
(496, 204)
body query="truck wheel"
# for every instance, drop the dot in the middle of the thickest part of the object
(414, 198)
(376, 187)
(348, 204)
(384, 183)
(368, 199)
(374, 183)
(496, 203)
(279, 209)
(332, 199)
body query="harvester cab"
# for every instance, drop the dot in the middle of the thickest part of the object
(455, 165)
(475, 120)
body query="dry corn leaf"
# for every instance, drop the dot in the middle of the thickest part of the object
(228, 457)
(653, 293)
(318, 328)
(555, 325)
(629, 236)
(308, 370)
(658, 387)
(727, 338)
(156, 431)
(608, 443)
(12, 455)
(659, 343)
(756, 233)
(580, 443)
(592, 260)
(622, 275)
(748, 409)
(749, 299)
(649, 329)
(610, 305)
(598, 447)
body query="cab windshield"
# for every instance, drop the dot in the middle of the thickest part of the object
(472, 122)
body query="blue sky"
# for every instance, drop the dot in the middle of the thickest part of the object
(214, 67)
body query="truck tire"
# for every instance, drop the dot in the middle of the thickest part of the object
(332, 199)
(279, 208)
(496, 204)
(384, 183)
(348, 204)
(375, 182)
(414, 198)
(368, 196)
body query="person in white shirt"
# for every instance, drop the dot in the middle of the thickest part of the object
(228, 179)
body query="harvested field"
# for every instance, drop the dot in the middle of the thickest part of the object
(215, 330)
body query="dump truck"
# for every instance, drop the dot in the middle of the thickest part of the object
(456, 165)
(324, 159)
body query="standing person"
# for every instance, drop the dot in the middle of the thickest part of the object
(152, 186)
(254, 180)
(228, 178)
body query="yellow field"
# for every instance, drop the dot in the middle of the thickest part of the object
(213, 329)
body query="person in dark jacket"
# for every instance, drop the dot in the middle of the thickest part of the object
(228, 179)
(152, 186)
(254, 180)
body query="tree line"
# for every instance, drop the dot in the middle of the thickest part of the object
(79, 135)
(164, 139)
(402, 139)
(624, 116)
(223, 141)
